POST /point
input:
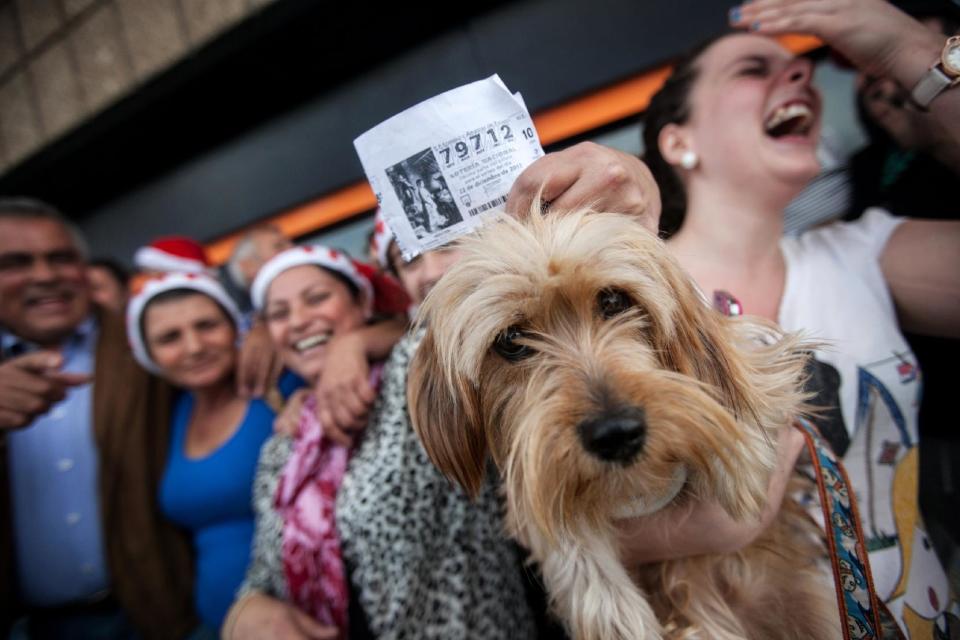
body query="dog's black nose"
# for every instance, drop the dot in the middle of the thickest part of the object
(614, 436)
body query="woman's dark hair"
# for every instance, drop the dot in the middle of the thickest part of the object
(170, 296)
(119, 273)
(671, 105)
(347, 282)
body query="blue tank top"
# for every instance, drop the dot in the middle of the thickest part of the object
(211, 498)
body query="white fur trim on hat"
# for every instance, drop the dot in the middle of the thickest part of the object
(153, 259)
(168, 282)
(382, 237)
(311, 254)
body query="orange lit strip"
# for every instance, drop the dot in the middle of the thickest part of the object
(594, 110)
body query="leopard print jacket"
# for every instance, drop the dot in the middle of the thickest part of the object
(426, 561)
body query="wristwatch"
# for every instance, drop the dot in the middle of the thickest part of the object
(943, 74)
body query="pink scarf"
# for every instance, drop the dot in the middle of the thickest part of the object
(306, 499)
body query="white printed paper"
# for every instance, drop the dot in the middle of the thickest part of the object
(442, 167)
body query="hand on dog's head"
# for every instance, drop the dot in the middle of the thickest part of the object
(574, 350)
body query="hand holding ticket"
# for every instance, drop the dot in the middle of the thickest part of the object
(441, 167)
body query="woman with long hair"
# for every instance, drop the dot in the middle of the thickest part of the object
(184, 328)
(731, 138)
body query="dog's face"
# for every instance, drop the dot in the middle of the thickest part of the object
(574, 350)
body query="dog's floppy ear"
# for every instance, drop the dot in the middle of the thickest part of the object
(447, 421)
(701, 347)
(720, 366)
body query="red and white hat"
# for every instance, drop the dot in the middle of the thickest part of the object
(316, 255)
(198, 282)
(382, 237)
(172, 254)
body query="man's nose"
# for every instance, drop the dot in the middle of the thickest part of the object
(42, 271)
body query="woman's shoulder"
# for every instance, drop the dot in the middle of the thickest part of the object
(852, 241)
(834, 274)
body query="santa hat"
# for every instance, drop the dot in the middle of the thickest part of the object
(168, 282)
(320, 256)
(380, 242)
(172, 254)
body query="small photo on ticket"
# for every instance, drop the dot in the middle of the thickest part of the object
(422, 190)
(445, 166)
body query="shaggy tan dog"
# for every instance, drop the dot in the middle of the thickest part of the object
(574, 349)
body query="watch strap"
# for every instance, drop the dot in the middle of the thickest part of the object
(932, 84)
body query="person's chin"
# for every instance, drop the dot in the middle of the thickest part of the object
(196, 382)
(310, 367)
(797, 168)
(52, 327)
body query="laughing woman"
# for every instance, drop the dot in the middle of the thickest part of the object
(296, 585)
(732, 138)
(183, 328)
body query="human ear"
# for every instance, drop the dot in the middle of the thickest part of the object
(676, 146)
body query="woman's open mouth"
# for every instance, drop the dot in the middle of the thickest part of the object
(793, 119)
(312, 341)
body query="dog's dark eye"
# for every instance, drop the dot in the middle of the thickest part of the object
(507, 346)
(613, 302)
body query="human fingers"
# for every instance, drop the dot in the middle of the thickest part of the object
(41, 384)
(803, 16)
(36, 362)
(541, 182)
(617, 184)
(774, 23)
(50, 385)
(365, 391)
(23, 402)
(353, 411)
(70, 378)
(874, 35)
(786, 5)
(357, 398)
(332, 430)
(311, 628)
(286, 422)
(344, 420)
(10, 419)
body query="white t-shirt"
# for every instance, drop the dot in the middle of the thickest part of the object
(835, 292)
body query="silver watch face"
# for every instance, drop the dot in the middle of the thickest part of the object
(951, 58)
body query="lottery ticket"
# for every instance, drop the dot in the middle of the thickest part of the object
(444, 166)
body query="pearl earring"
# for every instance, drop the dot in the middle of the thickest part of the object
(689, 160)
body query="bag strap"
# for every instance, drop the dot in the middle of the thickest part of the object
(856, 595)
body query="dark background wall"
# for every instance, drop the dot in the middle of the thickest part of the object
(264, 117)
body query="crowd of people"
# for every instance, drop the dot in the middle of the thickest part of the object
(185, 458)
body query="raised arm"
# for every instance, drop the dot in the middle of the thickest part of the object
(344, 395)
(921, 264)
(878, 38)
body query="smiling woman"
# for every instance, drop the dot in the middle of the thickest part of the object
(297, 582)
(306, 307)
(183, 328)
